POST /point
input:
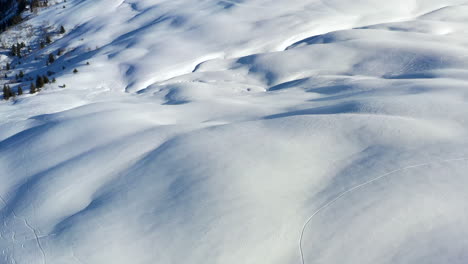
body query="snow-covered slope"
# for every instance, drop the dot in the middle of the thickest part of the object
(239, 132)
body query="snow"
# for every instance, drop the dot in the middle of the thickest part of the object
(239, 132)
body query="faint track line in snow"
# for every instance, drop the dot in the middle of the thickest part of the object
(33, 230)
(357, 187)
(37, 240)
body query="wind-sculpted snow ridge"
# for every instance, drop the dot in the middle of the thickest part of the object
(239, 132)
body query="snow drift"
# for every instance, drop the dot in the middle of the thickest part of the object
(241, 132)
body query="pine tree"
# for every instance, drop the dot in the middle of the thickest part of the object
(51, 58)
(32, 89)
(39, 82)
(5, 92)
(62, 30)
(21, 74)
(46, 79)
(20, 90)
(42, 45)
(13, 50)
(75, 71)
(8, 66)
(53, 80)
(48, 40)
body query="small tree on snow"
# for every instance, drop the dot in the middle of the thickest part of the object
(6, 92)
(32, 89)
(39, 82)
(13, 50)
(51, 58)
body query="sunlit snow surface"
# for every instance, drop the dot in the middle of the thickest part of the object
(242, 132)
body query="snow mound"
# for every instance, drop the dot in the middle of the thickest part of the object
(238, 132)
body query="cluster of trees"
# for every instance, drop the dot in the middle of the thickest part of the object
(8, 15)
(8, 92)
(17, 7)
(16, 49)
(33, 88)
(42, 80)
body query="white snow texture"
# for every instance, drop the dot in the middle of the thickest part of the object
(239, 131)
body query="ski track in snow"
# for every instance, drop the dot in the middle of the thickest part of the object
(31, 228)
(360, 186)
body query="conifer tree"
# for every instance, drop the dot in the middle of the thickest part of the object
(62, 30)
(46, 79)
(21, 74)
(32, 89)
(39, 82)
(13, 50)
(20, 90)
(48, 40)
(51, 58)
(8, 66)
(75, 71)
(7, 92)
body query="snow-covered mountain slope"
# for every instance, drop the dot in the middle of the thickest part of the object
(238, 132)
